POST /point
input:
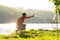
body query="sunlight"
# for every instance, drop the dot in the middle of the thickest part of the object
(11, 25)
(8, 25)
(7, 28)
(28, 4)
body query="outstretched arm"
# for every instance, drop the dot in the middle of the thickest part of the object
(30, 16)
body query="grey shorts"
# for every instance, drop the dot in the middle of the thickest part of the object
(21, 27)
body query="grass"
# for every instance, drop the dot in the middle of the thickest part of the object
(33, 35)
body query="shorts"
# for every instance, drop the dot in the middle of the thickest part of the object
(21, 27)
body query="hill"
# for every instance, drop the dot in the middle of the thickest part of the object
(8, 14)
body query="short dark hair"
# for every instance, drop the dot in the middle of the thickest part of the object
(23, 14)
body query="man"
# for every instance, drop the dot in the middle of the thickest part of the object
(19, 25)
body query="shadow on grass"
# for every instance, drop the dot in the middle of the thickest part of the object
(24, 36)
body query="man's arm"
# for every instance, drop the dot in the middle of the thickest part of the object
(30, 16)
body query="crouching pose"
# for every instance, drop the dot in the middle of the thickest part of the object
(19, 25)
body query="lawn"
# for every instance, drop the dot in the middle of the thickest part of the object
(33, 35)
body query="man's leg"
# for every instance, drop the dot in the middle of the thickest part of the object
(22, 28)
(16, 31)
(21, 32)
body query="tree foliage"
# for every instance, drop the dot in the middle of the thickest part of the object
(57, 4)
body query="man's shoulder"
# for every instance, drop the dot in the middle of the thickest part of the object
(21, 17)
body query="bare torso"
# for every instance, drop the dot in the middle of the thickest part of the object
(20, 21)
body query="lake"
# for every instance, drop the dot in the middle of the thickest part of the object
(10, 27)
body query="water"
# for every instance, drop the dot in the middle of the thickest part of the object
(10, 27)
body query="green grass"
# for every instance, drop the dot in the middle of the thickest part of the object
(33, 35)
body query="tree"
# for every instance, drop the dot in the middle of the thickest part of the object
(57, 5)
(57, 8)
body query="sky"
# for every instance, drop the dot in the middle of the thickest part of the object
(28, 4)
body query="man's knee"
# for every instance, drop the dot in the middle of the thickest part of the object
(24, 25)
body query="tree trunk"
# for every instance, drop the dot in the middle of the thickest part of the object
(59, 12)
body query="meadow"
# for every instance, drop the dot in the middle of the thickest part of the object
(33, 35)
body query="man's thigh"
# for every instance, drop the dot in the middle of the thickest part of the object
(22, 27)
